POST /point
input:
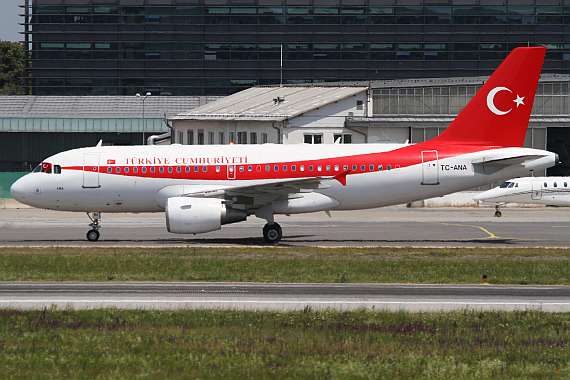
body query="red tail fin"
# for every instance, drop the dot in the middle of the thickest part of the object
(498, 114)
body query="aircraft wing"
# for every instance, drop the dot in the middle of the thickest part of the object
(268, 191)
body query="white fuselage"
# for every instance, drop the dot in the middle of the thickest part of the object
(95, 179)
(553, 191)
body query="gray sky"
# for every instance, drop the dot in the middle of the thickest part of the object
(9, 20)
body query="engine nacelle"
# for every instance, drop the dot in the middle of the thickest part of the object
(186, 215)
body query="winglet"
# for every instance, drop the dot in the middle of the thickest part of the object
(342, 177)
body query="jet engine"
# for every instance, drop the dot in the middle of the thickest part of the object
(186, 215)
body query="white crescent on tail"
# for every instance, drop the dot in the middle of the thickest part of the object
(491, 98)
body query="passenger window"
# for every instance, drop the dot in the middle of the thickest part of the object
(353, 167)
(109, 170)
(152, 169)
(217, 169)
(249, 168)
(135, 170)
(380, 168)
(371, 168)
(362, 167)
(517, 185)
(565, 184)
(57, 169)
(284, 168)
(126, 170)
(328, 168)
(267, 168)
(302, 168)
(197, 169)
(170, 169)
(310, 168)
(319, 168)
(388, 167)
(118, 170)
(555, 184)
(161, 169)
(336, 168)
(187, 169)
(294, 168)
(545, 185)
(178, 169)
(144, 169)
(345, 167)
(241, 168)
(205, 169)
(276, 168)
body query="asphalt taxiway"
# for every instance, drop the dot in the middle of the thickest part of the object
(281, 297)
(390, 226)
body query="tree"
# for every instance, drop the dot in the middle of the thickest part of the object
(11, 68)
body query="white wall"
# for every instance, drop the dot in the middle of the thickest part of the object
(327, 120)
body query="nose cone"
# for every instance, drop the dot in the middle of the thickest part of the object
(19, 190)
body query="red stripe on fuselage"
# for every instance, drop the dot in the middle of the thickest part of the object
(397, 158)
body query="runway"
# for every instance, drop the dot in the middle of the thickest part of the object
(390, 226)
(282, 297)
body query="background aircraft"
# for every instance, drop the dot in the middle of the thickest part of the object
(201, 188)
(553, 191)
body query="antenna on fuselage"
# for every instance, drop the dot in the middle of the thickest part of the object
(99, 144)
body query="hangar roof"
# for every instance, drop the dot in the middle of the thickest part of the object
(31, 106)
(270, 103)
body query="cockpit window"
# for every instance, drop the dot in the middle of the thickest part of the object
(511, 185)
(46, 167)
(57, 169)
(38, 169)
(505, 184)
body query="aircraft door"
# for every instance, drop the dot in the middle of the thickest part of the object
(91, 171)
(430, 168)
(231, 172)
(536, 190)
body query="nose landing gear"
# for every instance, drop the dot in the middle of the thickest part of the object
(498, 212)
(93, 235)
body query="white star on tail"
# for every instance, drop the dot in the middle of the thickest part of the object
(519, 101)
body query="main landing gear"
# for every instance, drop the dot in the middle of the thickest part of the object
(272, 233)
(93, 235)
(498, 212)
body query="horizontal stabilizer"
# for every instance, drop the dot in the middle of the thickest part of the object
(506, 161)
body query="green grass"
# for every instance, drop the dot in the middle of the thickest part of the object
(207, 344)
(546, 266)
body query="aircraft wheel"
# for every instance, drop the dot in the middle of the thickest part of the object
(272, 233)
(498, 214)
(93, 235)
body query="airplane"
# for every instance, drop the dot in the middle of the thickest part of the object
(201, 188)
(551, 191)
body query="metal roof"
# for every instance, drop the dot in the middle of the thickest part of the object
(31, 106)
(270, 103)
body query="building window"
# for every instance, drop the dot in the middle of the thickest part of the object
(242, 137)
(264, 138)
(181, 137)
(253, 138)
(232, 137)
(221, 138)
(359, 105)
(190, 137)
(343, 138)
(211, 138)
(200, 137)
(313, 139)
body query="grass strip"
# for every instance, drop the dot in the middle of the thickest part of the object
(543, 266)
(215, 344)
